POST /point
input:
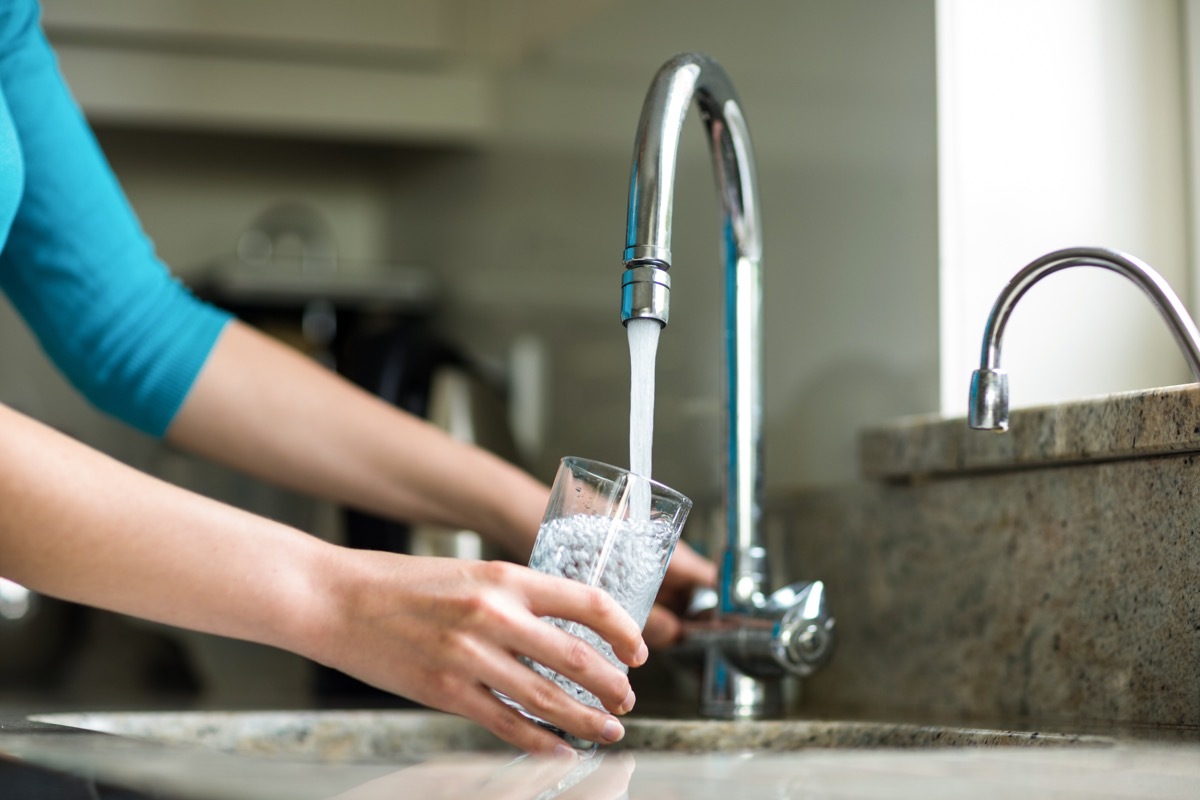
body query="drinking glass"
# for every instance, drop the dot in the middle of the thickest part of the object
(606, 527)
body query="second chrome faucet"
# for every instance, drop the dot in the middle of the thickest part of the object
(988, 405)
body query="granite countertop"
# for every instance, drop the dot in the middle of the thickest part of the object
(1009, 589)
(1109, 428)
(71, 763)
(1048, 571)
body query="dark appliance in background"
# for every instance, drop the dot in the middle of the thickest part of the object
(397, 356)
(374, 324)
(413, 369)
(397, 364)
(375, 327)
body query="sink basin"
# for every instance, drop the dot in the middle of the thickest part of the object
(382, 755)
(391, 736)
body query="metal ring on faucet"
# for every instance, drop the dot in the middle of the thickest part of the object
(645, 294)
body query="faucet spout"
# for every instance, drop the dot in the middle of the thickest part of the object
(736, 683)
(646, 283)
(988, 409)
(681, 80)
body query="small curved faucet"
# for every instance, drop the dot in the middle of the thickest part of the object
(754, 637)
(988, 408)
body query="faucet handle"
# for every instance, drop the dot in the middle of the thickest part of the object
(805, 637)
(703, 604)
(792, 632)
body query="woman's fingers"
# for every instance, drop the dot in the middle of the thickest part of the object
(548, 701)
(663, 628)
(551, 596)
(551, 702)
(508, 724)
(446, 632)
(574, 654)
(688, 569)
(568, 653)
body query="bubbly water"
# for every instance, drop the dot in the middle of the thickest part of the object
(643, 347)
(624, 557)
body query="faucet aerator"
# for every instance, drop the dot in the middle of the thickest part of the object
(645, 294)
(988, 409)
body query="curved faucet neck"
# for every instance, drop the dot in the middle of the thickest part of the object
(989, 385)
(646, 289)
(681, 80)
(756, 635)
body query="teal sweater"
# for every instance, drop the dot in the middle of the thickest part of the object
(74, 261)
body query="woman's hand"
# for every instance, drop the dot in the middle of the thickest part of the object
(311, 431)
(687, 571)
(445, 632)
(81, 526)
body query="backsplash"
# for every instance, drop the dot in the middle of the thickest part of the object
(1052, 592)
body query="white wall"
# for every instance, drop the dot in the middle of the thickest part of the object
(194, 195)
(1191, 68)
(528, 231)
(1060, 123)
(1057, 123)
(840, 102)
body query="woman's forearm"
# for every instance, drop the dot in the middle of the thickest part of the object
(266, 410)
(81, 526)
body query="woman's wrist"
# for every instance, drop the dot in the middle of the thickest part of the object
(314, 599)
(498, 500)
(521, 515)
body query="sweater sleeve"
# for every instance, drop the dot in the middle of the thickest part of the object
(76, 264)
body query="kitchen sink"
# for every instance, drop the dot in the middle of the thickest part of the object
(382, 755)
(391, 736)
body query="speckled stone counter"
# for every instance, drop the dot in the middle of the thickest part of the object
(1050, 572)
(1119, 426)
(383, 756)
(1048, 579)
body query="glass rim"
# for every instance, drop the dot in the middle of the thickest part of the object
(662, 488)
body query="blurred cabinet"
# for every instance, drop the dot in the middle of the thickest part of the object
(384, 70)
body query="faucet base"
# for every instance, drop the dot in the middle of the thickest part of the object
(729, 693)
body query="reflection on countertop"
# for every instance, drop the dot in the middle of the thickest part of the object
(1163, 764)
(1045, 577)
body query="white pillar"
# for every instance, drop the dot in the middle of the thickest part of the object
(1060, 123)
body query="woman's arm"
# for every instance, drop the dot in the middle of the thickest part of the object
(266, 410)
(81, 526)
(76, 263)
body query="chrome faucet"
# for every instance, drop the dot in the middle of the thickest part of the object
(988, 408)
(752, 636)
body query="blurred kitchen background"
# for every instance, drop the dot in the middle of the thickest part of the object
(438, 188)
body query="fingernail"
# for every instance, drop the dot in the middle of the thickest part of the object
(627, 703)
(642, 654)
(612, 731)
(563, 751)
